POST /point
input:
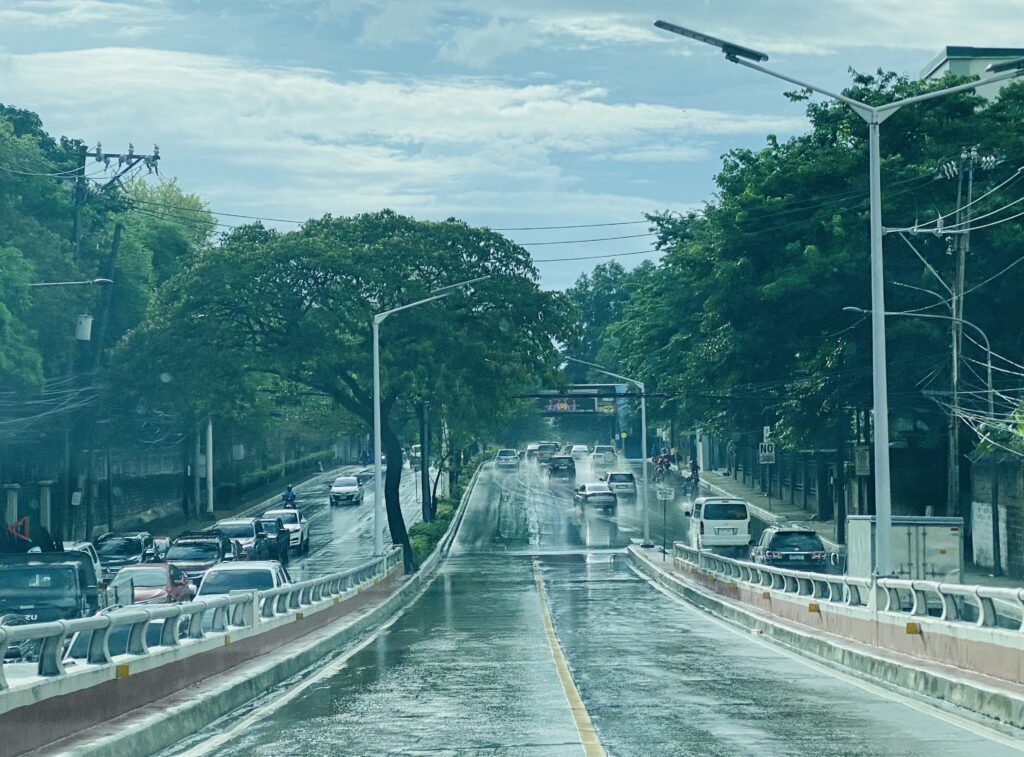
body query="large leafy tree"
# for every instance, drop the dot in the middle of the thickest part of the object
(299, 306)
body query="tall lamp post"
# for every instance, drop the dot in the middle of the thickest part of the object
(643, 437)
(378, 319)
(874, 116)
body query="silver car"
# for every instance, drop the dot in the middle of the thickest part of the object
(346, 490)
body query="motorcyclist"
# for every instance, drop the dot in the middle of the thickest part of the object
(289, 496)
(694, 471)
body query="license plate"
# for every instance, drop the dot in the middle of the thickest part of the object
(725, 530)
(796, 557)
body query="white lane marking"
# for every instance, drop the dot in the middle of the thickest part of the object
(930, 710)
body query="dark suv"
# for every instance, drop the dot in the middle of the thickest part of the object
(118, 550)
(545, 451)
(561, 466)
(196, 552)
(795, 547)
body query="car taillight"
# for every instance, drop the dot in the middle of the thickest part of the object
(750, 527)
(702, 527)
(817, 555)
(775, 554)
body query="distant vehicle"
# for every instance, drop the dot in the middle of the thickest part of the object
(793, 546)
(531, 451)
(594, 495)
(196, 552)
(720, 523)
(156, 583)
(507, 460)
(603, 455)
(579, 452)
(622, 483)
(545, 450)
(243, 576)
(88, 548)
(296, 525)
(43, 586)
(365, 477)
(346, 490)
(280, 539)
(561, 466)
(118, 550)
(249, 534)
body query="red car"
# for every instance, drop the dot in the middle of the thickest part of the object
(151, 584)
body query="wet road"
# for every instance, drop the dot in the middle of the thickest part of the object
(471, 669)
(342, 537)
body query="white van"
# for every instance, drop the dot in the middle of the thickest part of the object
(720, 523)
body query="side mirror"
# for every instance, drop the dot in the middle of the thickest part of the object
(687, 511)
(229, 556)
(751, 543)
(261, 535)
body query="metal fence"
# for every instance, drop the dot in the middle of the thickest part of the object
(976, 605)
(186, 623)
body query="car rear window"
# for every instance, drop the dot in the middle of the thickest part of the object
(621, 477)
(797, 541)
(725, 511)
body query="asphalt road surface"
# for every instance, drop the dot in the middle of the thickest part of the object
(473, 666)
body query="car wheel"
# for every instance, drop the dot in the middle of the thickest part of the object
(305, 546)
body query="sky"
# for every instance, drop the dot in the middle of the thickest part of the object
(511, 114)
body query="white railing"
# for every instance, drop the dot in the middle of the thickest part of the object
(955, 603)
(253, 611)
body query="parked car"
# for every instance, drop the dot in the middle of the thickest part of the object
(42, 586)
(545, 450)
(280, 539)
(346, 490)
(155, 583)
(243, 576)
(604, 455)
(249, 534)
(296, 525)
(118, 550)
(792, 546)
(507, 461)
(196, 552)
(594, 495)
(722, 523)
(623, 483)
(561, 466)
(579, 452)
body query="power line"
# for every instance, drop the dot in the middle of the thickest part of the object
(581, 241)
(598, 257)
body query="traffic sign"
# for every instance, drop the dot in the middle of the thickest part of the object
(623, 434)
(862, 460)
(666, 494)
(767, 433)
(766, 453)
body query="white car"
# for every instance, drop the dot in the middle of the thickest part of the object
(224, 578)
(346, 490)
(720, 523)
(594, 495)
(579, 451)
(89, 549)
(622, 483)
(507, 460)
(603, 455)
(296, 526)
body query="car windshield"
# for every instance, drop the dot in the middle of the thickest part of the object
(725, 511)
(598, 489)
(346, 481)
(146, 577)
(507, 453)
(43, 579)
(604, 449)
(237, 530)
(547, 448)
(797, 541)
(288, 517)
(119, 546)
(621, 478)
(225, 581)
(193, 551)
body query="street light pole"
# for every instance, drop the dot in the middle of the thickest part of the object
(874, 116)
(643, 439)
(378, 493)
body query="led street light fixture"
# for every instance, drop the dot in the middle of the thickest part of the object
(731, 50)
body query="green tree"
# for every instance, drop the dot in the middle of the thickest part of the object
(299, 306)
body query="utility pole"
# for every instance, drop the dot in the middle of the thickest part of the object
(428, 510)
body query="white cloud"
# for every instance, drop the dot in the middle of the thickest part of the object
(53, 14)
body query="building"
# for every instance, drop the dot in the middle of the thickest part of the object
(971, 61)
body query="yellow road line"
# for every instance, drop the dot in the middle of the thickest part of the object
(588, 736)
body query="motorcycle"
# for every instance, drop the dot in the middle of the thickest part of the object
(288, 500)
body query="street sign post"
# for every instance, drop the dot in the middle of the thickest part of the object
(862, 460)
(666, 494)
(766, 453)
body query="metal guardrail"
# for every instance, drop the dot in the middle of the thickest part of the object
(976, 605)
(241, 610)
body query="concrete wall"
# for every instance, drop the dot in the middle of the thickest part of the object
(1011, 513)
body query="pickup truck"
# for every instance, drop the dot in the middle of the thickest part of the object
(43, 586)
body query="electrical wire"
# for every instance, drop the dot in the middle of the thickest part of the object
(599, 257)
(581, 241)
